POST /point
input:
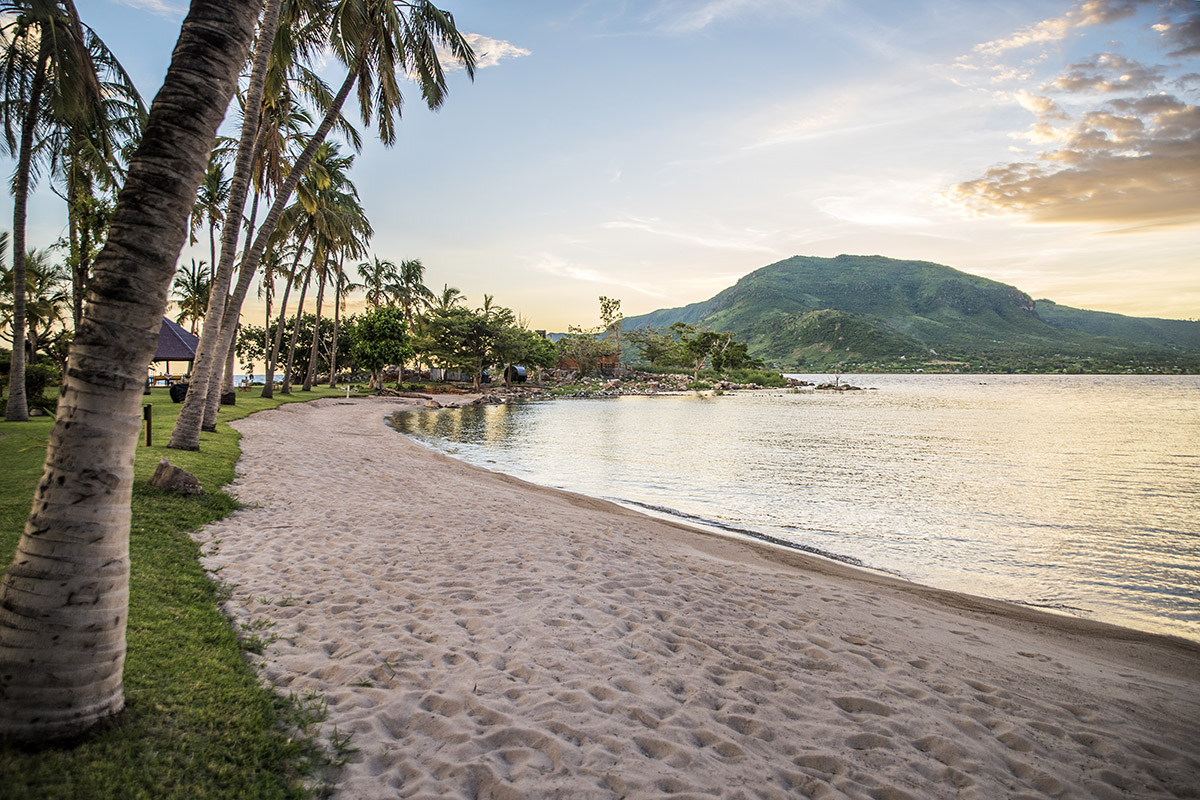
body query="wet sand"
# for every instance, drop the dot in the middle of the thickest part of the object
(483, 637)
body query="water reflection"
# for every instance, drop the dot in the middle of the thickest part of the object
(1078, 492)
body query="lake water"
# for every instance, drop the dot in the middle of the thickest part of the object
(1080, 494)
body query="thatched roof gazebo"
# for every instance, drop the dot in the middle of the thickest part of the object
(175, 344)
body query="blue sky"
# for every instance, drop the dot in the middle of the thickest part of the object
(656, 151)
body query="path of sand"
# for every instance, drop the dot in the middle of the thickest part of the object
(482, 637)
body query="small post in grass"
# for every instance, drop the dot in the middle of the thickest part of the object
(147, 415)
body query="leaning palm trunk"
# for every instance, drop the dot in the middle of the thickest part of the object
(295, 337)
(337, 319)
(253, 257)
(64, 599)
(209, 356)
(18, 407)
(316, 339)
(273, 353)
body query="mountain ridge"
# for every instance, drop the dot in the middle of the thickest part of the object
(895, 313)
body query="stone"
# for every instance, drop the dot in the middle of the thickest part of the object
(175, 479)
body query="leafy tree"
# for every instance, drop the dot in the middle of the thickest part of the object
(381, 340)
(458, 338)
(517, 345)
(64, 598)
(586, 348)
(657, 346)
(696, 345)
(611, 316)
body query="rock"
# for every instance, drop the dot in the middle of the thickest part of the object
(174, 479)
(433, 404)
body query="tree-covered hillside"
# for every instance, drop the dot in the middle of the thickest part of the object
(882, 313)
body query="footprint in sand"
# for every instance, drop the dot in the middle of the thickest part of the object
(862, 705)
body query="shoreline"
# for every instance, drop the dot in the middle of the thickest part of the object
(481, 635)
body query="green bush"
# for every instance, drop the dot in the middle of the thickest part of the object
(760, 376)
(38, 378)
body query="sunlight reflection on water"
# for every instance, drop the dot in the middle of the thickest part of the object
(1078, 493)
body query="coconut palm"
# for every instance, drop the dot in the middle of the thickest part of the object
(211, 199)
(87, 165)
(187, 436)
(378, 275)
(47, 298)
(377, 41)
(64, 599)
(410, 291)
(450, 297)
(343, 286)
(191, 293)
(48, 79)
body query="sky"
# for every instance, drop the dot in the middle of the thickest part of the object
(658, 150)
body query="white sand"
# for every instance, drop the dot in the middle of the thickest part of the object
(482, 637)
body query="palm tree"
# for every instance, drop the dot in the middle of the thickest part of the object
(378, 275)
(377, 40)
(450, 298)
(48, 79)
(410, 291)
(298, 250)
(210, 206)
(191, 293)
(342, 287)
(186, 434)
(64, 599)
(48, 297)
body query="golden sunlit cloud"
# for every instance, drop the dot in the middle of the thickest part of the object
(1132, 160)
(1092, 12)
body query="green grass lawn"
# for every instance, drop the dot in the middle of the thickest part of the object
(197, 723)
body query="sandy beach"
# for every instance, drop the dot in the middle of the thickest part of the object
(481, 637)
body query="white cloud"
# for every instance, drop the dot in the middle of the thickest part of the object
(689, 16)
(1085, 14)
(749, 240)
(163, 7)
(562, 268)
(489, 52)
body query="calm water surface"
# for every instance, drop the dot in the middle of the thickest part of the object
(1079, 494)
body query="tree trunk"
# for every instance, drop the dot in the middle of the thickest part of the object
(337, 319)
(18, 404)
(273, 352)
(291, 359)
(316, 338)
(186, 433)
(64, 599)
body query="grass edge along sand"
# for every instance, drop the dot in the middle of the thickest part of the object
(198, 722)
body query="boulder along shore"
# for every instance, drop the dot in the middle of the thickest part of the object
(480, 637)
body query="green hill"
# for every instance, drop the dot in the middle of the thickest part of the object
(884, 313)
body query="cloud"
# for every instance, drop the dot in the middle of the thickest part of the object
(1085, 14)
(1134, 162)
(560, 268)
(1116, 141)
(163, 7)
(1183, 36)
(746, 241)
(489, 52)
(1106, 73)
(689, 16)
